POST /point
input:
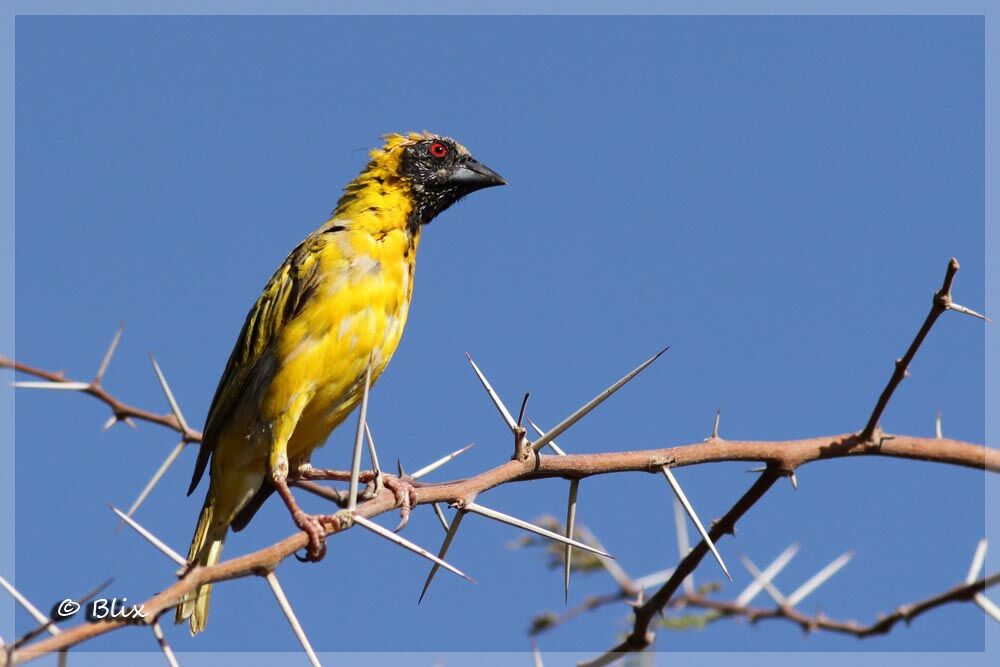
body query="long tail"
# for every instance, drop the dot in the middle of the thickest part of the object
(206, 547)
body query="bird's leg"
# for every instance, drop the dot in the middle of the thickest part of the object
(278, 466)
(310, 523)
(402, 486)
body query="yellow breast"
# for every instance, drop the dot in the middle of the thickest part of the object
(354, 316)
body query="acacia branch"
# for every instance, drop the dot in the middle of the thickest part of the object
(120, 410)
(780, 454)
(960, 593)
(781, 458)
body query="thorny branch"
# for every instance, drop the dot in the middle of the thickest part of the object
(781, 459)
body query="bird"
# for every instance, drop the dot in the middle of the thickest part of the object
(336, 306)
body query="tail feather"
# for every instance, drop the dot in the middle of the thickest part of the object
(206, 548)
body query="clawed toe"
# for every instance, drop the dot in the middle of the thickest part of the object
(313, 527)
(406, 498)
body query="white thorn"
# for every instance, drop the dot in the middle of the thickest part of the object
(683, 544)
(694, 517)
(551, 443)
(536, 654)
(937, 426)
(452, 531)
(39, 617)
(501, 408)
(431, 467)
(582, 412)
(530, 527)
(154, 480)
(440, 516)
(988, 606)
(574, 488)
(352, 494)
(761, 580)
(819, 578)
(286, 608)
(977, 562)
(58, 386)
(405, 543)
(107, 355)
(654, 579)
(768, 575)
(968, 311)
(164, 646)
(170, 397)
(152, 539)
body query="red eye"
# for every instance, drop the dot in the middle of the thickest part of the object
(437, 149)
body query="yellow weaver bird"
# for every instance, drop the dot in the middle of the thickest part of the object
(337, 303)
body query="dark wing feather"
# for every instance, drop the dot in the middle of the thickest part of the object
(283, 297)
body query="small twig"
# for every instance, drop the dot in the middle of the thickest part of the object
(942, 302)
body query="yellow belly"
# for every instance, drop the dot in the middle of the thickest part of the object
(355, 317)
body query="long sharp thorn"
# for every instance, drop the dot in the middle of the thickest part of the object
(530, 527)
(170, 397)
(715, 426)
(937, 426)
(574, 487)
(359, 436)
(761, 580)
(431, 467)
(286, 608)
(609, 563)
(154, 480)
(536, 654)
(977, 562)
(819, 578)
(373, 455)
(149, 537)
(168, 653)
(501, 408)
(683, 544)
(130, 422)
(405, 543)
(63, 659)
(560, 428)
(39, 617)
(794, 480)
(768, 575)
(968, 311)
(551, 443)
(107, 355)
(58, 386)
(988, 606)
(654, 579)
(443, 552)
(112, 420)
(694, 517)
(440, 516)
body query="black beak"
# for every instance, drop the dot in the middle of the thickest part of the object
(473, 175)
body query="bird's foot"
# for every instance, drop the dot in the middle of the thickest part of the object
(313, 527)
(406, 496)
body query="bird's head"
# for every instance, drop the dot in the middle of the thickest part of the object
(438, 171)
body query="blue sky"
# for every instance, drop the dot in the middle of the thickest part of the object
(774, 197)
